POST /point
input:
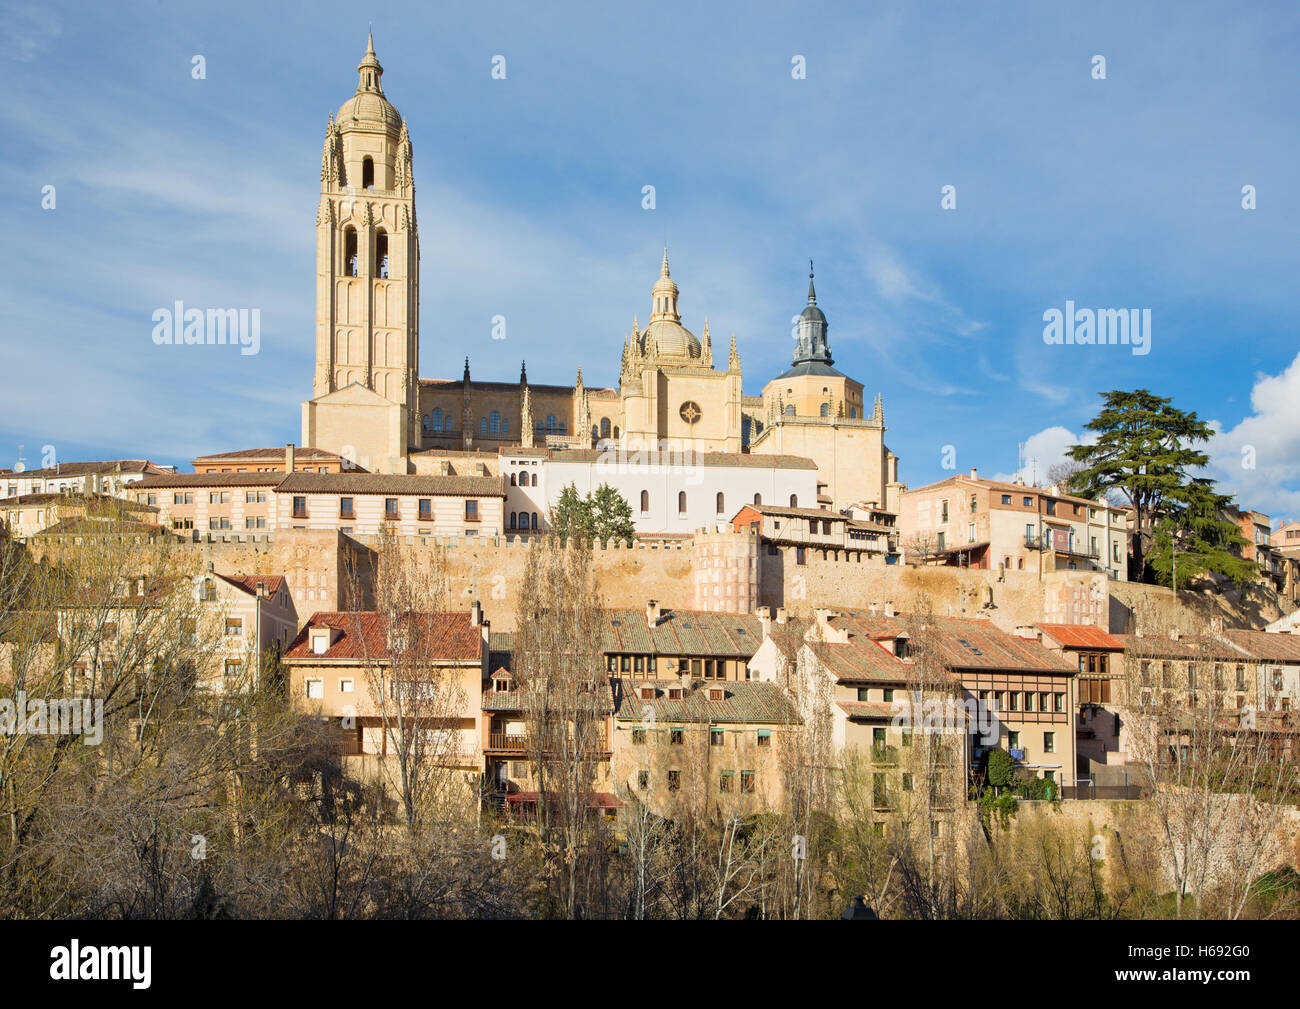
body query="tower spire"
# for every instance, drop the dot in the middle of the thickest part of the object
(369, 69)
(812, 293)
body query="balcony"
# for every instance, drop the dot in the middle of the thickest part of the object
(1035, 542)
(510, 743)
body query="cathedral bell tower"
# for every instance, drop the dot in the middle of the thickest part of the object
(368, 263)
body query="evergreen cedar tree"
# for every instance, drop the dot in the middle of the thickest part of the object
(1144, 450)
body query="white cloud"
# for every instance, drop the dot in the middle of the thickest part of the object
(1254, 459)
(1043, 450)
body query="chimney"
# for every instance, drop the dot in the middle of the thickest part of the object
(764, 614)
(209, 567)
(652, 614)
(974, 473)
(140, 586)
(889, 608)
(261, 590)
(780, 614)
(872, 608)
(288, 458)
(475, 613)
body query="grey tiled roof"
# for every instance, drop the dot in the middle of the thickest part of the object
(683, 632)
(743, 702)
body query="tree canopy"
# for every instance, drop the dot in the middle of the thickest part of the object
(1143, 451)
(602, 516)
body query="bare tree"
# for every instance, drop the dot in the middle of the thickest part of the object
(566, 701)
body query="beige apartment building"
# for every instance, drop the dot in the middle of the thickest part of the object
(701, 745)
(256, 504)
(367, 503)
(1008, 692)
(192, 504)
(973, 522)
(289, 459)
(112, 477)
(30, 514)
(360, 672)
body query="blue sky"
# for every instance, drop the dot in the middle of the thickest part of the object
(1115, 193)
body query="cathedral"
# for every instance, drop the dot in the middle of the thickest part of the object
(371, 406)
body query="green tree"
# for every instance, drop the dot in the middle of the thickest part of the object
(572, 516)
(611, 516)
(1000, 768)
(1203, 540)
(1143, 451)
(604, 515)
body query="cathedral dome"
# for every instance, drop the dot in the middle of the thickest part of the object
(368, 109)
(667, 338)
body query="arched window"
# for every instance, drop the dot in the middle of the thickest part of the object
(604, 427)
(505, 425)
(681, 502)
(436, 418)
(534, 520)
(595, 433)
(826, 409)
(482, 425)
(551, 425)
(758, 499)
(494, 422)
(350, 252)
(789, 410)
(645, 500)
(426, 423)
(721, 503)
(381, 255)
(616, 432)
(512, 483)
(368, 174)
(534, 479)
(853, 411)
(513, 516)
(794, 500)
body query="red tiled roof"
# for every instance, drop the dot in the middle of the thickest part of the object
(961, 643)
(249, 583)
(1082, 636)
(299, 454)
(449, 637)
(385, 483)
(1266, 646)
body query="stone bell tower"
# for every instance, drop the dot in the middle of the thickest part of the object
(367, 267)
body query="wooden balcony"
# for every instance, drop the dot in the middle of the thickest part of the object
(509, 743)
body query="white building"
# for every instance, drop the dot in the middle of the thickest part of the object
(671, 493)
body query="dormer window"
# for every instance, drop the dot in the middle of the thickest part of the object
(320, 641)
(647, 693)
(717, 694)
(674, 693)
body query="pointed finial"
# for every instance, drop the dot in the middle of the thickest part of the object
(467, 369)
(812, 294)
(523, 372)
(663, 270)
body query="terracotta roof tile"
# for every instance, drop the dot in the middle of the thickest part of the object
(1082, 636)
(449, 637)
